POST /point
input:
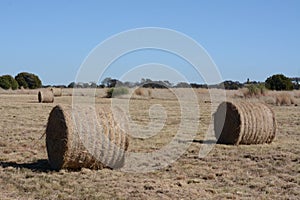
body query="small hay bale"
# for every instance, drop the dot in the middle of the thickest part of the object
(139, 92)
(45, 96)
(57, 92)
(84, 138)
(244, 123)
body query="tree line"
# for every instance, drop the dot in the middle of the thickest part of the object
(31, 81)
(22, 80)
(275, 82)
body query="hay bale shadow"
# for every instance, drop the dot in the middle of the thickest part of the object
(205, 141)
(198, 141)
(33, 101)
(40, 165)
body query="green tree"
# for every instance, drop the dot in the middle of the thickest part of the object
(28, 80)
(93, 85)
(72, 85)
(7, 81)
(279, 82)
(4, 83)
(106, 82)
(232, 85)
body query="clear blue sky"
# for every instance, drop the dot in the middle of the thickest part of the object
(246, 38)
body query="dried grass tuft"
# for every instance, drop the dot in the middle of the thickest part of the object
(284, 99)
(297, 94)
(244, 123)
(84, 138)
(149, 93)
(254, 91)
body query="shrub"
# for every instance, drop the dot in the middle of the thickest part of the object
(7, 81)
(263, 89)
(279, 82)
(255, 90)
(231, 85)
(28, 80)
(113, 92)
(149, 92)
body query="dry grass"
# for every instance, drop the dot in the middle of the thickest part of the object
(254, 91)
(296, 94)
(269, 171)
(278, 98)
(149, 93)
(284, 98)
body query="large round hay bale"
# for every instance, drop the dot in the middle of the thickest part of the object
(45, 96)
(244, 123)
(57, 92)
(85, 137)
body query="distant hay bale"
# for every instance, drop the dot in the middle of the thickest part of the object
(244, 123)
(139, 92)
(45, 96)
(85, 138)
(143, 92)
(57, 92)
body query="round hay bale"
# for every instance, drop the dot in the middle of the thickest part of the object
(57, 92)
(85, 137)
(244, 123)
(45, 96)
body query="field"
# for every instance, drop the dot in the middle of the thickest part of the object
(269, 171)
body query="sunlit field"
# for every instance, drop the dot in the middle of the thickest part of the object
(265, 171)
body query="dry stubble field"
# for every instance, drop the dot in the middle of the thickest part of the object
(270, 171)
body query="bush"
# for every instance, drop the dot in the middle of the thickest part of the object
(28, 80)
(113, 92)
(255, 90)
(263, 89)
(279, 82)
(7, 81)
(231, 85)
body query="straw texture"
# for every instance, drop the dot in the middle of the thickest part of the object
(45, 96)
(244, 123)
(85, 137)
(57, 92)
